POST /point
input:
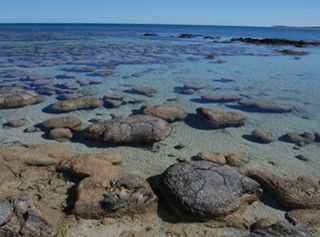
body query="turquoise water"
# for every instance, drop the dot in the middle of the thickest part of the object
(165, 62)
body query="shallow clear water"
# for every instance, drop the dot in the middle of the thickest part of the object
(165, 61)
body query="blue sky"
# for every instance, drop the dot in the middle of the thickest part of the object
(208, 12)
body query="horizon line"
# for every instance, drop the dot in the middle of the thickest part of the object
(163, 24)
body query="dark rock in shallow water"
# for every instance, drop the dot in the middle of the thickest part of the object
(264, 106)
(76, 104)
(292, 52)
(294, 194)
(262, 136)
(15, 98)
(282, 229)
(16, 123)
(187, 36)
(219, 98)
(205, 190)
(169, 113)
(149, 34)
(144, 90)
(218, 119)
(276, 42)
(133, 129)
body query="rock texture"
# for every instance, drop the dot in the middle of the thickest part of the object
(218, 119)
(133, 129)
(237, 159)
(114, 100)
(205, 190)
(300, 193)
(264, 106)
(169, 113)
(60, 134)
(76, 104)
(69, 122)
(304, 138)
(106, 190)
(283, 229)
(305, 217)
(22, 216)
(270, 41)
(262, 136)
(15, 98)
(144, 90)
(16, 123)
(212, 157)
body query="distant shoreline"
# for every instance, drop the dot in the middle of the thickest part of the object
(299, 27)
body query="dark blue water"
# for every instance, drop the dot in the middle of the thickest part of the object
(165, 30)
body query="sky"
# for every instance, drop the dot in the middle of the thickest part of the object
(195, 12)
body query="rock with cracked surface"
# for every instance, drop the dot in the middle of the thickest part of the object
(205, 190)
(76, 104)
(170, 113)
(303, 192)
(133, 129)
(283, 229)
(15, 98)
(218, 119)
(264, 106)
(70, 122)
(106, 190)
(27, 217)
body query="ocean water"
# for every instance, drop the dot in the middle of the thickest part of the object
(165, 61)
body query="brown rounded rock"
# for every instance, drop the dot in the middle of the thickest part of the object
(237, 159)
(60, 134)
(15, 98)
(133, 129)
(294, 194)
(70, 122)
(262, 136)
(212, 157)
(218, 119)
(76, 104)
(169, 113)
(264, 106)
